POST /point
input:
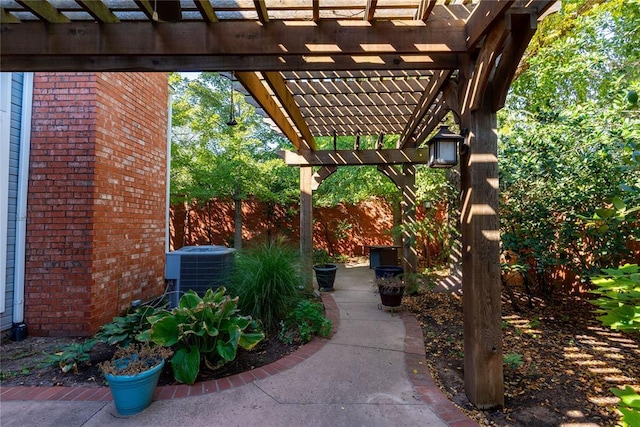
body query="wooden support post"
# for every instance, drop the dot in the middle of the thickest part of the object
(409, 253)
(483, 376)
(306, 227)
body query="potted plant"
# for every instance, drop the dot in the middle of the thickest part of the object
(133, 374)
(325, 275)
(391, 289)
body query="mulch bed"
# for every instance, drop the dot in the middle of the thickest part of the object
(559, 361)
(23, 363)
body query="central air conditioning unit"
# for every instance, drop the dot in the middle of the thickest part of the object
(198, 268)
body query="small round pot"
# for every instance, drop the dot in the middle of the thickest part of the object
(325, 275)
(133, 393)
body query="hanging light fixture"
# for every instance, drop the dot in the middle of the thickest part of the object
(443, 148)
(232, 115)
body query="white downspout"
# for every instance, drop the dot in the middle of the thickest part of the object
(23, 188)
(167, 236)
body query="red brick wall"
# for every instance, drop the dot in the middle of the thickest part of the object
(95, 226)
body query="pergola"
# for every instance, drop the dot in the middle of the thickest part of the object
(324, 68)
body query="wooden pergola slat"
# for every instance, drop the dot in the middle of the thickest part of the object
(45, 11)
(99, 11)
(206, 10)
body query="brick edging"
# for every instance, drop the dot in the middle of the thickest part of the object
(420, 377)
(182, 390)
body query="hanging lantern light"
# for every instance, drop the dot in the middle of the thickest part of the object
(443, 148)
(232, 117)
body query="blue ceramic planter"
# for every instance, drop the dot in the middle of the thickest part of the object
(133, 393)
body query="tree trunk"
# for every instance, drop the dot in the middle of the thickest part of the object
(237, 223)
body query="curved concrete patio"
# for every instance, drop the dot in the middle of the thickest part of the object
(371, 372)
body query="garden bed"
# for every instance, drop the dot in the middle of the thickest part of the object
(22, 363)
(559, 361)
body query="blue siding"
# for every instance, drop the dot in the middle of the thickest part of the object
(16, 116)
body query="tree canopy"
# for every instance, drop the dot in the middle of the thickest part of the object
(566, 133)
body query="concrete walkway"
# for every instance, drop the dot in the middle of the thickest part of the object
(371, 372)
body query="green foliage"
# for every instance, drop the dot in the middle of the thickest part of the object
(205, 330)
(565, 138)
(629, 406)
(306, 320)
(267, 280)
(321, 256)
(512, 360)
(210, 159)
(70, 355)
(124, 330)
(619, 297)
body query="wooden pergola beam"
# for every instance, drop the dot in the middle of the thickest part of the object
(523, 27)
(483, 17)
(356, 157)
(279, 88)
(252, 82)
(231, 38)
(17, 62)
(485, 63)
(323, 173)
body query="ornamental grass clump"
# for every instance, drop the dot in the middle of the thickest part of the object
(267, 281)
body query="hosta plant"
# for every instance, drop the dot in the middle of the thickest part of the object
(203, 331)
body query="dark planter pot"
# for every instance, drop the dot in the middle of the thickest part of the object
(391, 296)
(388, 271)
(325, 276)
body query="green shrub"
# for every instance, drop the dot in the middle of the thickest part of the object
(124, 330)
(619, 308)
(320, 256)
(305, 321)
(267, 280)
(619, 297)
(205, 330)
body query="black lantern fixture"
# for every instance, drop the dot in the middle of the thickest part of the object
(232, 115)
(443, 148)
